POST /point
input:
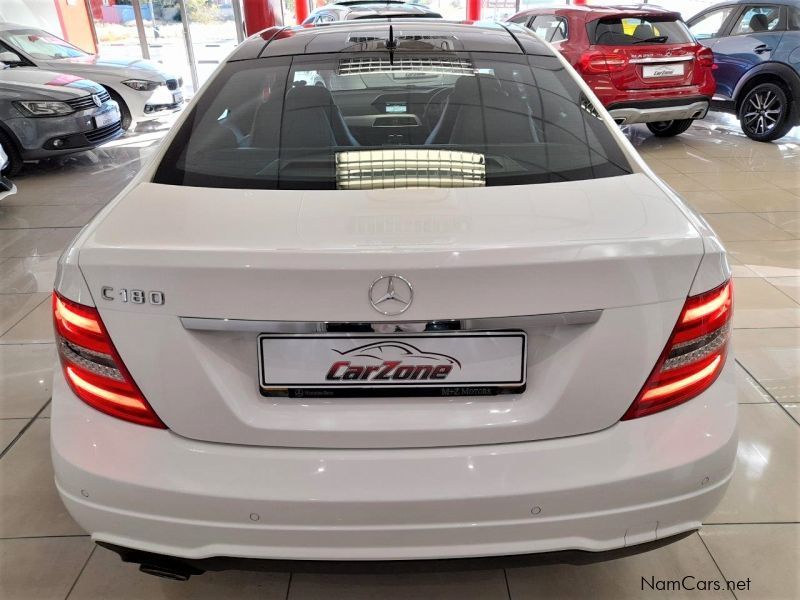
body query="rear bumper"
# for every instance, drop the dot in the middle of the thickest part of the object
(635, 482)
(643, 112)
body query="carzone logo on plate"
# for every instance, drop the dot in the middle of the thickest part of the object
(393, 361)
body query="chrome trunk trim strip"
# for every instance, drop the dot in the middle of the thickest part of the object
(486, 323)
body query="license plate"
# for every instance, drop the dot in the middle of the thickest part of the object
(427, 364)
(665, 70)
(177, 97)
(107, 118)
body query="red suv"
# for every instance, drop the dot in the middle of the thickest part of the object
(642, 63)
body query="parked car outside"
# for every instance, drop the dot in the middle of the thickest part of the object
(141, 88)
(320, 325)
(347, 10)
(642, 62)
(6, 186)
(44, 114)
(756, 46)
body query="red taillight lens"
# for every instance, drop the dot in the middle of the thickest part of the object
(601, 62)
(694, 356)
(92, 366)
(705, 57)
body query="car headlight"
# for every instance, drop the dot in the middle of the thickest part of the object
(37, 108)
(142, 85)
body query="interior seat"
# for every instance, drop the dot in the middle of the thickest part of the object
(479, 112)
(759, 22)
(644, 31)
(311, 119)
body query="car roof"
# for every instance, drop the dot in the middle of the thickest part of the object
(795, 3)
(590, 13)
(361, 10)
(412, 35)
(4, 26)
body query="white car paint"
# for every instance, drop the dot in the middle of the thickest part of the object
(634, 482)
(553, 468)
(111, 72)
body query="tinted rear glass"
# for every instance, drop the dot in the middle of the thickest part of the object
(363, 121)
(626, 31)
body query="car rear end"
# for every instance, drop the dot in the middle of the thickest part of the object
(394, 351)
(647, 67)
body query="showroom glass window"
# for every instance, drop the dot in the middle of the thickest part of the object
(347, 121)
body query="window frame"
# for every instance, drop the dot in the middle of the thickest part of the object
(792, 13)
(563, 20)
(724, 28)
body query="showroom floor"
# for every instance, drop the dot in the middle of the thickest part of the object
(749, 192)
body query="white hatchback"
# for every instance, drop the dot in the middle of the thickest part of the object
(392, 290)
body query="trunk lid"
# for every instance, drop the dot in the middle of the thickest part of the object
(645, 50)
(655, 66)
(236, 259)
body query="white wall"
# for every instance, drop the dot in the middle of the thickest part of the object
(36, 13)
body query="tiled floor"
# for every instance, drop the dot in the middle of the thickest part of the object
(749, 192)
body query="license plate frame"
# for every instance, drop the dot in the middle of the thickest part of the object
(177, 97)
(318, 352)
(107, 118)
(664, 70)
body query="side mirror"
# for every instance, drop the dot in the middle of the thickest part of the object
(10, 58)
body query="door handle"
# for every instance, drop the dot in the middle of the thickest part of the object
(761, 49)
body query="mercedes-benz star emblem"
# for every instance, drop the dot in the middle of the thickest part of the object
(391, 295)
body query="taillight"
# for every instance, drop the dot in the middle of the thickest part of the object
(694, 355)
(92, 366)
(705, 57)
(601, 62)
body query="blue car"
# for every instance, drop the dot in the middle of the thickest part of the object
(756, 47)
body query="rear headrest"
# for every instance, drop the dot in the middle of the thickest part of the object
(759, 22)
(304, 96)
(466, 90)
(644, 31)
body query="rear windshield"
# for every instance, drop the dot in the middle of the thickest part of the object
(370, 121)
(627, 31)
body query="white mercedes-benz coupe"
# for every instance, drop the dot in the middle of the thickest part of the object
(397, 289)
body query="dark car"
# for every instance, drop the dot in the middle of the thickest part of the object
(756, 46)
(640, 61)
(364, 9)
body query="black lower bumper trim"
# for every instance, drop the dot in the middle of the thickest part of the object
(181, 568)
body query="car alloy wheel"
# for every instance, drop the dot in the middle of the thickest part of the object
(764, 113)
